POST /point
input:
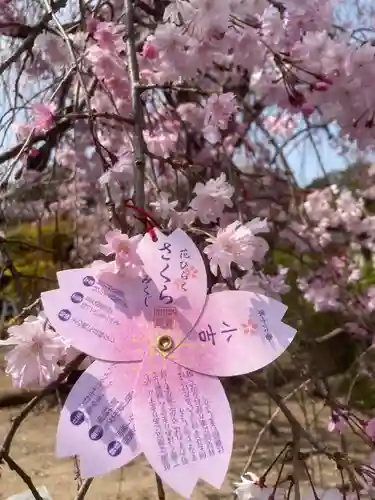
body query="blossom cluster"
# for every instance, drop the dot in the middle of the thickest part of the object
(35, 354)
(220, 83)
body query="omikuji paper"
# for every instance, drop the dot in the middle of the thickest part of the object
(160, 342)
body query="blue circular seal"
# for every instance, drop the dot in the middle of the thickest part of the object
(77, 297)
(114, 448)
(65, 315)
(88, 280)
(96, 433)
(77, 417)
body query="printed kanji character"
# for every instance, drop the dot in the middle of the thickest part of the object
(207, 335)
(184, 254)
(228, 329)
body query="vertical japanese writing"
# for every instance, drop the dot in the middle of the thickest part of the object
(214, 431)
(147, 295)
(267, 333)
(184, 426)
(166, 256)
(184, 267)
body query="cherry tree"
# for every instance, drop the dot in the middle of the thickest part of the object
(123, 117)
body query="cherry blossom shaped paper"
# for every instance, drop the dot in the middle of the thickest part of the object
(162, 343)
(98, 419)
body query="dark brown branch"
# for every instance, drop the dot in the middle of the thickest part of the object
(160, 487)
(22, 474)
(83, 489)
(16, 398)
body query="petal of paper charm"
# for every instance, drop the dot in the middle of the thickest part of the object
(176, 267)
(123, 295)
(183, 424)
(97, 421)
(238, 332)
(92, 325)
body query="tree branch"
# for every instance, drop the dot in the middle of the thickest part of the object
(139, 144)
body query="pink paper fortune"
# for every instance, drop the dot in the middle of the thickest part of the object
(168, 404)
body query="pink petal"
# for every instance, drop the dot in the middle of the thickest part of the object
(92, 321)
(111, 235)
(238, 332)
(183, 423)
(167, 261)
(100, 403)
(106, 249)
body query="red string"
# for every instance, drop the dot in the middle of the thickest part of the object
(146, 218)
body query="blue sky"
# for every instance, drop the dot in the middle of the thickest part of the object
(306, 166)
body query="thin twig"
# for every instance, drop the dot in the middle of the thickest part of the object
(23, 475)
(160, 487)
(83, 489)
(269, 423)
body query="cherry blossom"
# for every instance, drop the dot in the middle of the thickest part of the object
(109, 36)
(127, 260)
(337, 422)
(251, 488)
(211, 199)
(162, 206)
(238, 244)
(32, 352)
(45, 115)
(370, 429)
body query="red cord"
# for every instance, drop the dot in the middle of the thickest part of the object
(146, 218)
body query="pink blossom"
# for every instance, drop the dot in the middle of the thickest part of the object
(211, 199)
(161, 142)
(177, 11)
(324, 296)
(337, 422)
(370, 303)
(22, 130)
(307, 109)
(370, 429)
(252, 487)
(271, 285)
(33, 352)
(321, 86)
(91, 24)
(109, 36)
(127, 260)
(219, 109)
(44, 115)
(149, 52)
(163, 207)
(237, 244)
